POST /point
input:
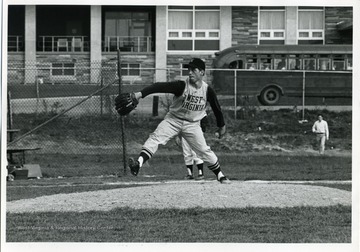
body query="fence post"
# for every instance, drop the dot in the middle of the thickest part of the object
(122, 123)
(235, 93)
(37, 95)
(10, 121)
(303, 97)
(101, 96)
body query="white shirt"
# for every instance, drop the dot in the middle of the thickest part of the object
(321, 127)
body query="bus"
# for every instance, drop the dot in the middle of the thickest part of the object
(272, 71)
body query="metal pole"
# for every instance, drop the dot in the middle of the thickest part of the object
(10, 121)
(37, 94)
(122, 123)
(303, 97)
(235, 93)
(101, 97)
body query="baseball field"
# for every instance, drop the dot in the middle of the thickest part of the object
(282, 190)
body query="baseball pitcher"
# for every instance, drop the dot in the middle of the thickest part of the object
(184, 116)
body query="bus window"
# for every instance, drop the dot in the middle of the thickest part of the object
(294, 62)
(265, 66)
(251, 66)
(237, 64)
(280, 64)
(265, 62)
(349, 64)
(338, 64)
(324, 64)
(309, 64)
(251, 62)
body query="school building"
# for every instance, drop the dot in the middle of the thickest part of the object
(57, 40)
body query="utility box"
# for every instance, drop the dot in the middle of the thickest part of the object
(34, 170)
(26, 171)
(21, 174)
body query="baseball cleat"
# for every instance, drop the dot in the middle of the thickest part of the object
(134, 166)
(224, 180)
(200, 177)
(189, 177)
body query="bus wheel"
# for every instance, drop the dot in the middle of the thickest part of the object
(270, 96)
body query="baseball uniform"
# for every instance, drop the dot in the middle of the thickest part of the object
(184, 116)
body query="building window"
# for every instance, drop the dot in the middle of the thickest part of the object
(130, 69)
(129, 29)
(16, 28)
(63, 69)
(193, 28)
(271, 25)
(310, 25)
(184, 70)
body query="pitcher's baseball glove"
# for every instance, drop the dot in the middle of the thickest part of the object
(125, 103)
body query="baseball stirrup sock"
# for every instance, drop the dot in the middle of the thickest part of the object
(200, 168)
(219, 175)
(189, 169)
(146, 152)
(143, 158)
(141, 161)
(214, 167)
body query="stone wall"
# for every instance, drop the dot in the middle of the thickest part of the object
(81, 62)
(334, 15)
(244, 25)
(15, 68)
(42, 68)
(147, 67)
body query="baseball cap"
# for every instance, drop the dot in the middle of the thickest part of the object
(196, 63)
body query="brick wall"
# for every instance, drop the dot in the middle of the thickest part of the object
(147, 67)
(244, 25)
(15, 71)
(107, 68)
(334, 15)
(44, 63)
(174, 63)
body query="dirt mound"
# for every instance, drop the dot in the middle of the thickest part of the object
(187, 194)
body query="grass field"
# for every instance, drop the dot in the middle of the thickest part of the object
(281, 151)
(246, 166)
(255, 225)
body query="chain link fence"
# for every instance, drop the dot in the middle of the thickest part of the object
(63, 116)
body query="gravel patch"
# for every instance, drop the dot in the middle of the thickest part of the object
(187, 194)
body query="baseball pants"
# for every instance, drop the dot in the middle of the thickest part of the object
(190, 156)
(321, 140)
(190, 131)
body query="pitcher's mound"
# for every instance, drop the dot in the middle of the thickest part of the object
(187, 194)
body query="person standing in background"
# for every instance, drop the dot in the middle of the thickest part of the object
(190, 159)
(321, 129)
